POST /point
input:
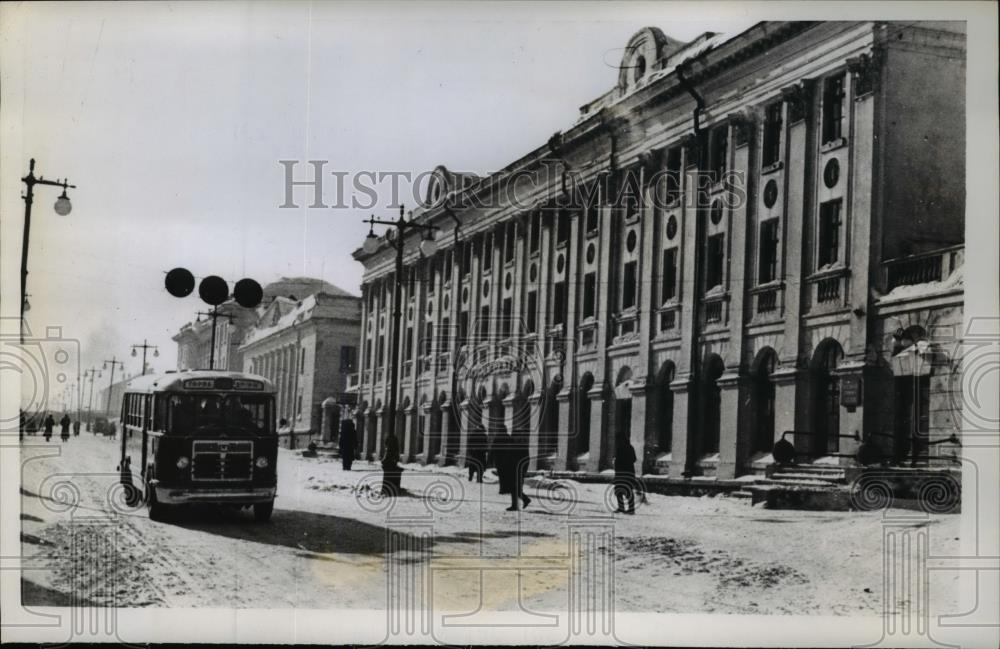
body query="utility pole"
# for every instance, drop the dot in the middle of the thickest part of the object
(90, 401)
(145, 346)
(214, 314)
(62, 208)
(111, 381)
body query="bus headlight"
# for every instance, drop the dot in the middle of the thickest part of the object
(183, 462)
(261, 462)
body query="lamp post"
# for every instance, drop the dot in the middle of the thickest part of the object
(391, 474)
(145, 346)
(62, 208)
(90, 401)
(111, 381)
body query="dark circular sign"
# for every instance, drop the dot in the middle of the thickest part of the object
(831, 173)
(179, 282)
(248, 293)
(671, 227)
(770, 193)
(716, 212)
(213, 290)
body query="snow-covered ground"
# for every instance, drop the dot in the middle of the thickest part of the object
(332, 543)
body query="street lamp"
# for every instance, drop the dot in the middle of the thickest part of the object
(62, 208)
(391, 473)
(145, 346)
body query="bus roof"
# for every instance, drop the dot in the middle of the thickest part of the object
(182, 381)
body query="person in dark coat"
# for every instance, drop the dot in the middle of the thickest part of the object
(76, 428)
(65, 423)
(624, 476)
(348, 443)
(516, 466)
(50, 423)
(476, 454)
(498, 457)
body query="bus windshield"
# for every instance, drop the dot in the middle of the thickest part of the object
(217, 413)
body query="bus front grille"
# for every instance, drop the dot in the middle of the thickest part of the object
(221, 460)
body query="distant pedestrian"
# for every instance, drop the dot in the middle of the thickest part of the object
(65, 423)
(50, 423)
(76, 428)
(624, 476)
(476, 454)
(348, 443)
(516, 466)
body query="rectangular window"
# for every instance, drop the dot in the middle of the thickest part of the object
(535, 233)
(669, 291)
(378, 350)
(833, 108)
(509, 241)
(302, 361)
(368, 355)
(444, 335)
(592, 217)
(720, 148)
(559, 304)
(488, 251)
(629, 285)
(715, 260)
(508, 315)
(532, 312)
(466, 266)
(348, 358)
(484, 323)
(449, 265)
(768, 270)
(463, 328)
(590, 295)
(429, 339)
(408, 343)
(772, 135)
(829, 233)
(562, 227)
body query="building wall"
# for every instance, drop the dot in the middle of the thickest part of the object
(712, 347)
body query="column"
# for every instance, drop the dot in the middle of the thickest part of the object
(598, 396)
(566, 448)
(684, 412)
(535, 410)
(464, 422)
(442, 458)
(409, 440)
(790, 407)
(640, 415)
(734, 429)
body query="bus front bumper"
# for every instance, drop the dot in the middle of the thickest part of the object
(169, 496)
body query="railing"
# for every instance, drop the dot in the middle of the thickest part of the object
(922, 268)
(407, 369)
(828, 289)
(626, 326)
(443, 363)
(713, 311)
(378, 374)
(767, 301)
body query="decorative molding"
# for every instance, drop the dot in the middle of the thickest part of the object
(864, 72)
(744, 121)
(798, 96)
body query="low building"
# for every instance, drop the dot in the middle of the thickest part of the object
(307, 347)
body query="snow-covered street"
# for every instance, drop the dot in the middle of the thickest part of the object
(327, 544)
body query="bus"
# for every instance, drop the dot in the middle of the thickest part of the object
(199, 436)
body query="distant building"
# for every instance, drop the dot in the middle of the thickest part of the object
(306, 347)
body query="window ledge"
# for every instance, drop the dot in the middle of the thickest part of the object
(592, 233)
(771, 168)
(833, 145)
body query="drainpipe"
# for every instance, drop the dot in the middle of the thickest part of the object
(694, 423)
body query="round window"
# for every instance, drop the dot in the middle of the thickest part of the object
(671, 227)
(831, 173)
(430, 307)
(486, 288)
(447, 302)
(630, 241)
(533, 272)
(409, 313)
(560, 263)
(770, 193)
(591, 253)
(465, 295)
(716, 212)
(508, 280)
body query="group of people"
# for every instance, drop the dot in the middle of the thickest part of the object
(508, 453)
(64, 423)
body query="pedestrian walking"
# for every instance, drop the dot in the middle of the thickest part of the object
(50, 423)
(76, 428)
(65, 424)
(498, 457)
(476, 454)
(348, 443)
(517, 465)
(624, 476)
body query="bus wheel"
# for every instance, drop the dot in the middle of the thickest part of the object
(157, 510)
(262, 511)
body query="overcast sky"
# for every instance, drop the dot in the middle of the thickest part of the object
(171, 119)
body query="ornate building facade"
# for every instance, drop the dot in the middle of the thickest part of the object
(749, 234)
